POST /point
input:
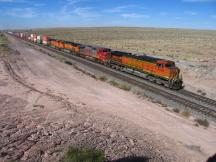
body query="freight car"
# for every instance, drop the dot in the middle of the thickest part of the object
(45, 40)
(157, 70)
(39, 39)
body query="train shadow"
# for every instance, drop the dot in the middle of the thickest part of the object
(212, 158)
(132, 159)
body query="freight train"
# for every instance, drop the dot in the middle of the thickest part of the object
(160, 71)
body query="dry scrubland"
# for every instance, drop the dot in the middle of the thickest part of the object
(175, 43)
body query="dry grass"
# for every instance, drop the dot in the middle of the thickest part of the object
(114, 83)
(102, 78)
(176, 110)
(125, 87)
(119, 85)
(194, 148)
(202, 122)
(185, 114)
(176, 43)
(4, 50)
(3, 40)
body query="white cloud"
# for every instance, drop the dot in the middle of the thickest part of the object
(192, 13)
(23, 1)
(82, 12)
(119, 8)
(85, 12)
(199, 0)
(71, 2)
(134, 15)
(22, 12)
(14, 1)
(39, 4)
(70, 9)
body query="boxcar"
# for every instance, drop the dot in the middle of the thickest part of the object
(39, 39)
(32, 38)
(21, 35)
(45, 40)
(35, 38)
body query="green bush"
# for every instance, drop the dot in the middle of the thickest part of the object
(83, 155)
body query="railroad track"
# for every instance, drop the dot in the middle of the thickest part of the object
(200, 98)
(188, 99)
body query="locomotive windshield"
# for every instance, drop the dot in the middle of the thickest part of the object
(170, 65)
(106, 50)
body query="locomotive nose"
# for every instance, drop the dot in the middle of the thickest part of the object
(178, 75)
(175, 72)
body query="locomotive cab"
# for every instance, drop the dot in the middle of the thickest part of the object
(104, 54)
(170, 64)
(167, 64)
(172, 73)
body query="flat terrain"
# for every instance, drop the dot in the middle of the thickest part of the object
(47, 105)
(192, 50)
(176, 43)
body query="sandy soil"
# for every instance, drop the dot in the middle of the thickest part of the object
(66, 101)
(200, 77)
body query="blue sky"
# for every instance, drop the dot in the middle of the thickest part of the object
(198, 14)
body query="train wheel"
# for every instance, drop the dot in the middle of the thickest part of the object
(151, 78)
(171, 86)
(158, 81)
(121, 69)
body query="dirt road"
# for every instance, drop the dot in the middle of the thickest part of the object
(47, 105)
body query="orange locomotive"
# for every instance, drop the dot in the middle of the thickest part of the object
(71, 46)
(60, 44)
(157, 70)
(57, 43)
